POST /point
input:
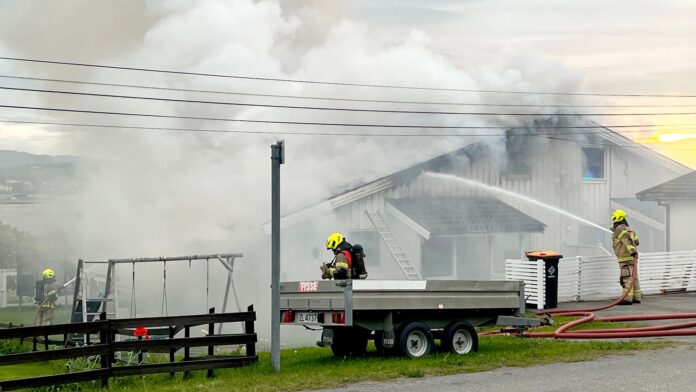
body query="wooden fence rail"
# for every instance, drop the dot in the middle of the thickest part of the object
(106, 346)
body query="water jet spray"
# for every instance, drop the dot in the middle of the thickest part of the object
(501, 191)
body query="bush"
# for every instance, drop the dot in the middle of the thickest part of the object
(11, 347)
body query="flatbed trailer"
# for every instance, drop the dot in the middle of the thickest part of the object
(402, 316)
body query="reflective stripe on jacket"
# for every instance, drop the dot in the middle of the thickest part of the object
(625, 242)
(343, 260)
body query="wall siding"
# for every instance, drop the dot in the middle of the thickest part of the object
(682, 215)
(555, 179)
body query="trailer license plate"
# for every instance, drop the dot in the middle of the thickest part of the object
(307, 317)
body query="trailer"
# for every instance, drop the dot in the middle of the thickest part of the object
(402, 317)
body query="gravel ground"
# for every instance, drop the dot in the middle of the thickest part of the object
(671, 369)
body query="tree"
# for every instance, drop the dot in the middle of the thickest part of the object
(16, 247)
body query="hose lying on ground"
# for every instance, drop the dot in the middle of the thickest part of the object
(587, 315)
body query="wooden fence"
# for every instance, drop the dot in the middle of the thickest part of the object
(106, 345)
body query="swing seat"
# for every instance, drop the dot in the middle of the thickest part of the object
(153, 331)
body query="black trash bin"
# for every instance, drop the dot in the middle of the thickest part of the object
(550, 275)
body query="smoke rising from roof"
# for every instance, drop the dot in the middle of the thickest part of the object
(179, 193)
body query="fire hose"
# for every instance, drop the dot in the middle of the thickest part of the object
(588, 315)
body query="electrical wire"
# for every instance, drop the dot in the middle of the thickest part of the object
(347, 84)
(324, 98)
(333, 134)
(358, 125)
(340, 109)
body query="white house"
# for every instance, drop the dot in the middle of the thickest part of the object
(440, 228)
(678, 196)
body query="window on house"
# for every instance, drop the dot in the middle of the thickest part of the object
(592, 163)
(370, 242)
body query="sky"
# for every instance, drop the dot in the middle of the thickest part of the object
(619, 47)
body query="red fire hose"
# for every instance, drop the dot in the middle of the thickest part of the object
(587, 315)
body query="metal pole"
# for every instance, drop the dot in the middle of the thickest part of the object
(277, 158)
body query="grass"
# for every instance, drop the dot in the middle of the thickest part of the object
(25, 315)
(312, 368)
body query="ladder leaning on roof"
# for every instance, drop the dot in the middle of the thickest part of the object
(393, 245)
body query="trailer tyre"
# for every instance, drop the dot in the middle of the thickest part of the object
(416, 340)
(460, 338)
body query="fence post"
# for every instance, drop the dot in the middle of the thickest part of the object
(171, 350)
(187, 349)
(249, 329)
(692, 271)
(104, 335)
(541, 292)
(578, 291)
(211, 332)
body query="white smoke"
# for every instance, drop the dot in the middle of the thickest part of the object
(158, 194)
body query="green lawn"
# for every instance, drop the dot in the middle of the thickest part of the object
(310, 368)
(313, 367)
(25, 315)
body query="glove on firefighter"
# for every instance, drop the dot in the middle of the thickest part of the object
(327, 272)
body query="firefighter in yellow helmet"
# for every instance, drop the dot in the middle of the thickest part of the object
(46, 298)
(340, 267)
(625, 242)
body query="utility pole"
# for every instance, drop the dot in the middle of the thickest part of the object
(277, 159)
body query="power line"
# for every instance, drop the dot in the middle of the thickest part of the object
(324, 98)
(347, 84)
(593, 143)
(302, 133)
(339, 109)
(359, 125)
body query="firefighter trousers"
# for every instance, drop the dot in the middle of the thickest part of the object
(44, 316)
(627, 271)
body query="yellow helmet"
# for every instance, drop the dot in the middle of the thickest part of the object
(334, 240)
(618, 216)
(48, 273)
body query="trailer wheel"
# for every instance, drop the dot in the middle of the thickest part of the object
(416, 340)
(349, 341)
(460, 338)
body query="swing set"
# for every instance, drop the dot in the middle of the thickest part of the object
(94, 306)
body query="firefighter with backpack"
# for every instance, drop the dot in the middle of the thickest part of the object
(46, 298)
(348, 262)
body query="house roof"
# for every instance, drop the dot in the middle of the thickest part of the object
(680, 188)
(441, 216)
(650, 209)
(472, 152)
(477, 150)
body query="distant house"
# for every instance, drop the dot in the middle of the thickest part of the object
(678, 196)
(421, 226)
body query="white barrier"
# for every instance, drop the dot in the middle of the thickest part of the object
(597, 277)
